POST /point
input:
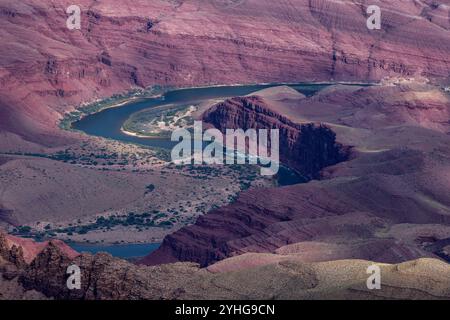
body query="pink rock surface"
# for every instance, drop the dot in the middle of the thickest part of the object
(47, 69)
(32, 248)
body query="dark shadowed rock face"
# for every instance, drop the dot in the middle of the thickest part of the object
(307, 148)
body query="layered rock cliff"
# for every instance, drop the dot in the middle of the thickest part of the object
(21, 251)
(377, 205)
(46, 69)
(307, 148)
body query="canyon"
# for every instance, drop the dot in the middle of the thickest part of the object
(47, 69)
(375, 157)
(378, 204)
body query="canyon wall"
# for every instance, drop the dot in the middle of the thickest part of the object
(307, 148)
(47, 69)
(377, 205)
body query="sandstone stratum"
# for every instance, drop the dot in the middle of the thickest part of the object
(46, 69)
(375, 155)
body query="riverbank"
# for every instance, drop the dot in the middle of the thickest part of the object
(114, 101)
(122, 99)
(180, 194)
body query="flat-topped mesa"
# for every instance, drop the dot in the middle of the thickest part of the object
(307, 148)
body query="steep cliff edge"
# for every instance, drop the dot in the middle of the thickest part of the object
(46, 69)
(307, 148)
(376, 205)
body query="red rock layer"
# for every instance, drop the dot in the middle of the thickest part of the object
(46, 69)
(307, 148)
(374, 206)
(250, 276)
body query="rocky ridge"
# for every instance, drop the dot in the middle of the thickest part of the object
(251, 276)
(307, 148)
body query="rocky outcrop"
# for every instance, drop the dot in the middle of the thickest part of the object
(11, 253)
(21, 251)
(307, 148)
(104, 277)
(48, 68)
(249, 276)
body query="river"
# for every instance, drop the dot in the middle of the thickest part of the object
(124, 251)
(108, 123)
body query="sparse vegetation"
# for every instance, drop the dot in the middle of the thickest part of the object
(87, 109)
(150, 188)
(159, 220)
